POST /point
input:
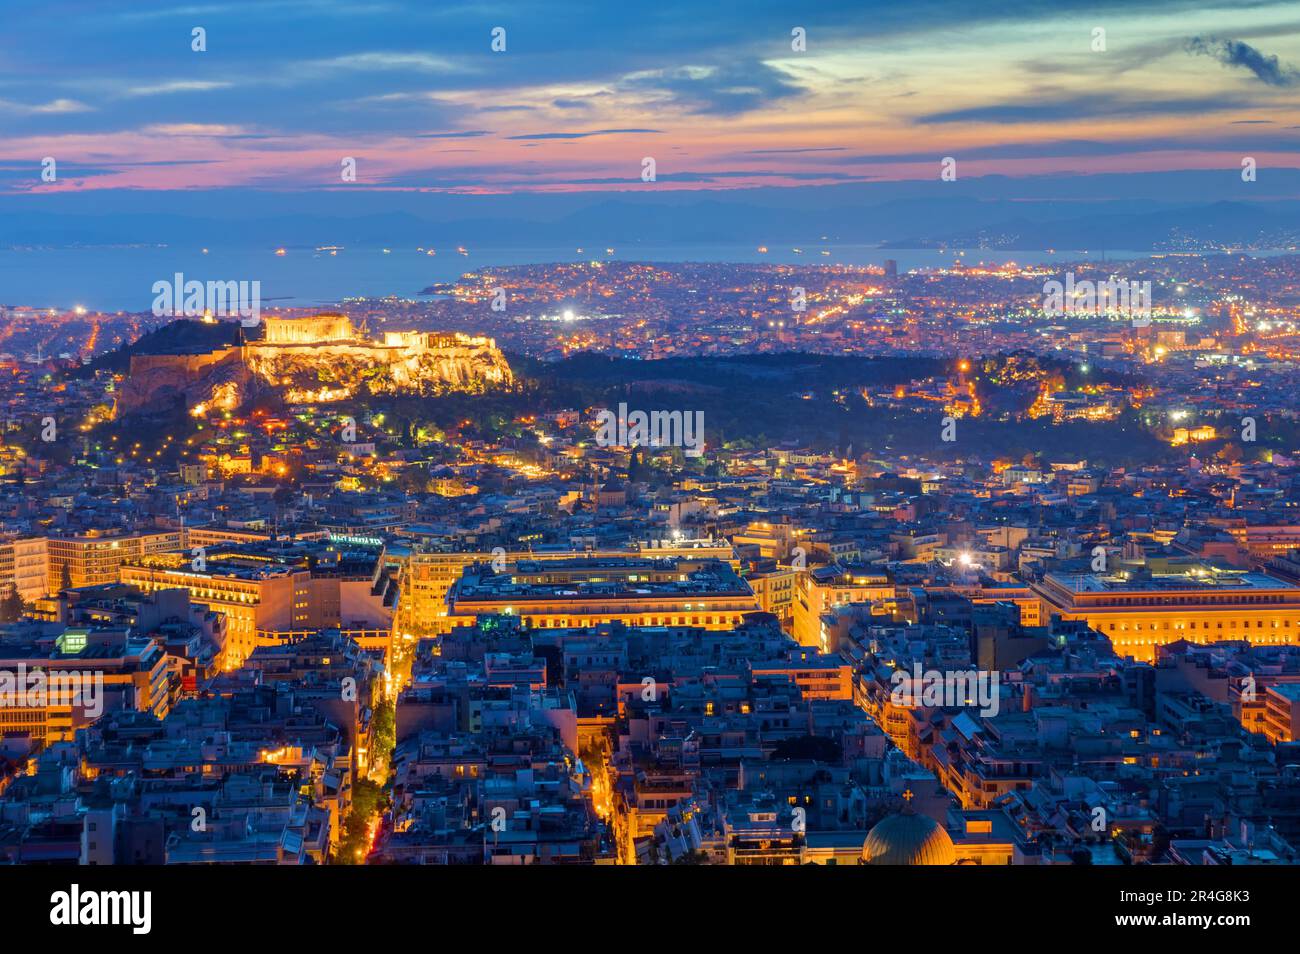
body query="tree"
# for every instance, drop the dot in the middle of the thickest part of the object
(367, 802)
(414, 480)
(385, 729)
(1229, 452)
(11, 607)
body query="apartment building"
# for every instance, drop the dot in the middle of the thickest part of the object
(24, 563)
(825, 587)
(93, 558)
(55, 680)
(271, 593)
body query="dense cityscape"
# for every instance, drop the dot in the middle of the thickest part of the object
(346, 628)
(559, 437)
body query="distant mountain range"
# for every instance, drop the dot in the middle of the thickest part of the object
(1195, 228)
(1187, 210)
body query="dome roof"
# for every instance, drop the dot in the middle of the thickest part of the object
(908, 839)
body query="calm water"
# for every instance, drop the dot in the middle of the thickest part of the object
(121, 279)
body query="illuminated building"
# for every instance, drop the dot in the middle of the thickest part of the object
(1186, 435)
(1282, 712)
(774, 588)
(774, 540)
(93, 558)
(427, 575)
(317, 329)
(318, 667)
(1205, 604)
(25, 564)
(1271, 541)
(825, 587)
(85, 674)
(209, 536)
(762, 833)
(587, 591)
(817, 676)
(273, 593)
(192, 636)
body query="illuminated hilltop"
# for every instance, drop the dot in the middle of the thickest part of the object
(317, 359)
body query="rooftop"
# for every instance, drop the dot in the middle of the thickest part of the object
(1201, 578)
(579, 579)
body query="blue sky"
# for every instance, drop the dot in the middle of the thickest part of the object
(585, 91)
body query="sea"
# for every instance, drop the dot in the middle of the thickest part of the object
(110, 279)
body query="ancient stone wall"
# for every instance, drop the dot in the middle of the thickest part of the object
(157, 379)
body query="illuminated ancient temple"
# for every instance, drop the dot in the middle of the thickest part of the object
(317, 329)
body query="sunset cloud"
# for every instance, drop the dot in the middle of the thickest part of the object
(582, 92)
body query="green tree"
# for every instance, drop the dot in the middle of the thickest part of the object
(11, 607)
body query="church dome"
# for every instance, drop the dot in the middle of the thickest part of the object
(908, 839)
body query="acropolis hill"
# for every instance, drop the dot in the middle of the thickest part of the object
(316, 359)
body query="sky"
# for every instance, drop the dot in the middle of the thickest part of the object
(584, 92)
